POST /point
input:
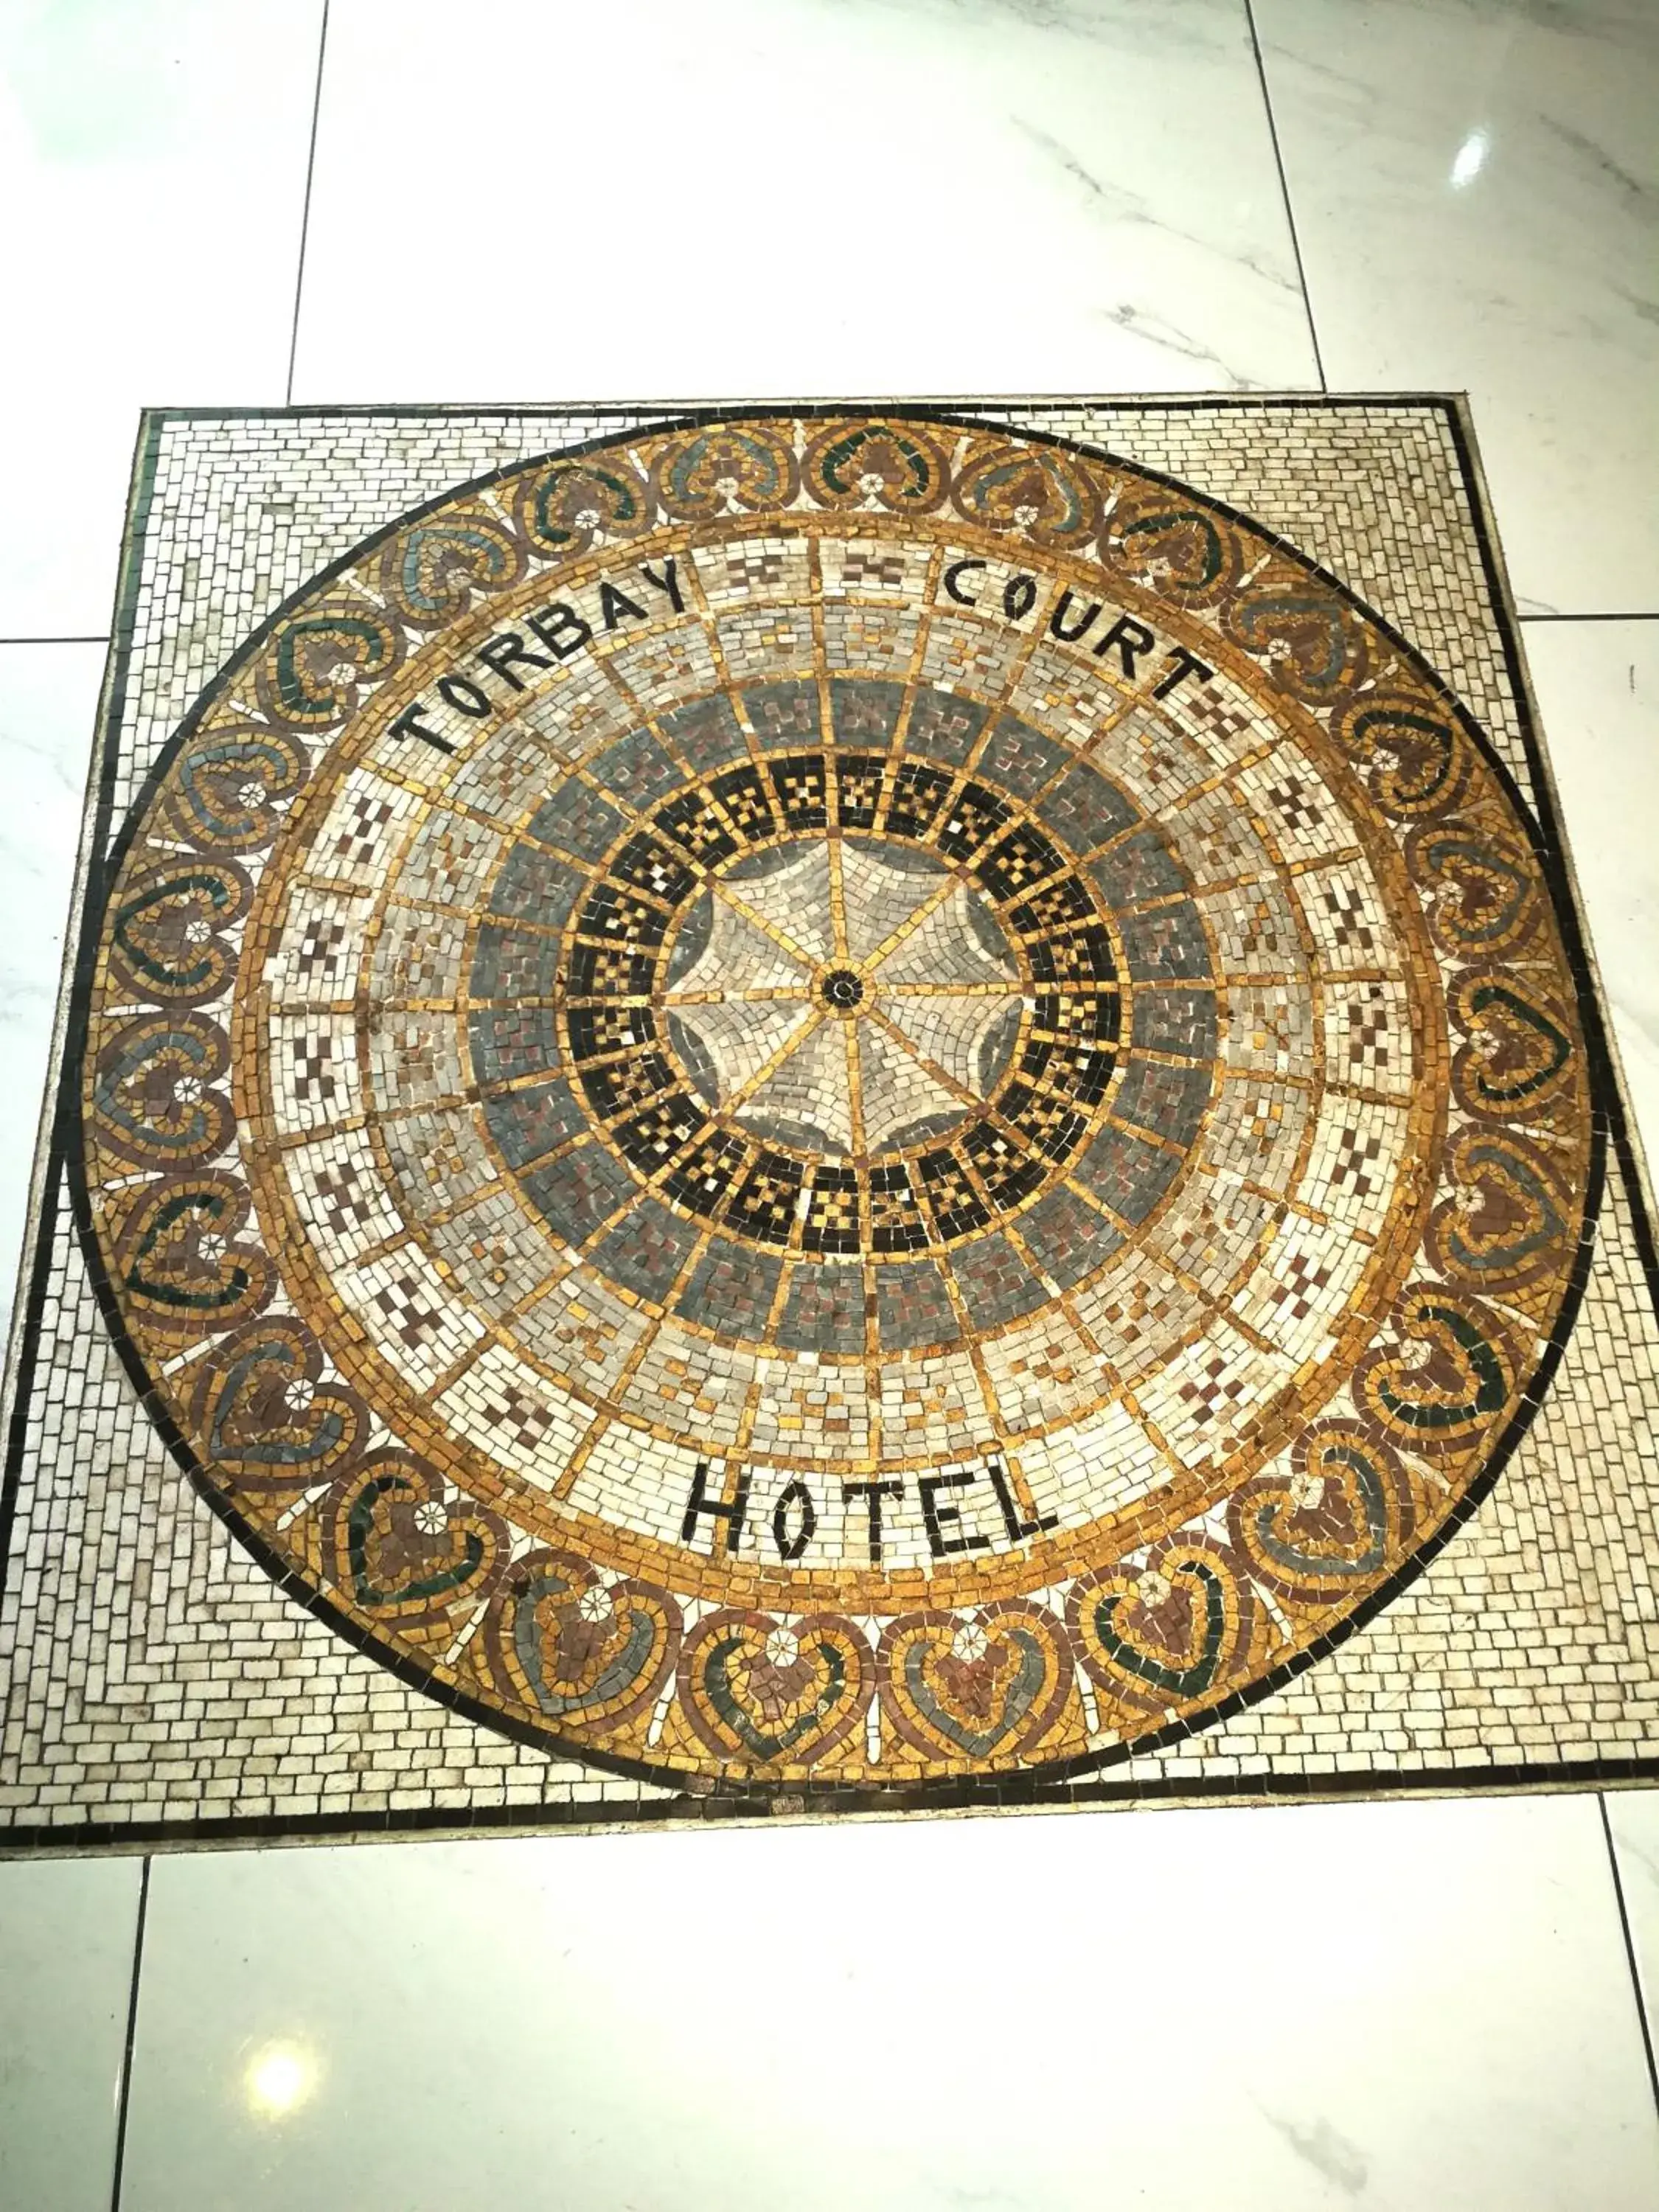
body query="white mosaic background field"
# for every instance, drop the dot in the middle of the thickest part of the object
(155, 1674)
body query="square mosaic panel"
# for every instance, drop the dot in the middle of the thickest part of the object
(820, 1110)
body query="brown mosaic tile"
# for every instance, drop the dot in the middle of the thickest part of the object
(816, 1108)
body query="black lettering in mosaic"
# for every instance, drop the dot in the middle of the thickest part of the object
(561, 630)
(953, 576)
(410, 725)
(668, 583)
(732, 1511)
(872, 1496)
(948, 1535)
(1017, 1527)
(1131, 639)
(501, 654)
(794, 1502)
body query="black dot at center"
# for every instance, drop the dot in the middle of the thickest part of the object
(841, 987)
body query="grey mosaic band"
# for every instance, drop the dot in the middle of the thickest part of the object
(1265, 971)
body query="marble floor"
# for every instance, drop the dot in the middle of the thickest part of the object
(1395, 2003)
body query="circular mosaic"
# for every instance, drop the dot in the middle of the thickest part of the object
(831, 1102)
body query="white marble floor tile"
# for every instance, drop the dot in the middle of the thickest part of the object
(152, 161)
(1633, 1818)
(1401, 2005)
(1597, 685)
(48, 708)
(1475, 185)
(768, 197)
(66, 1945)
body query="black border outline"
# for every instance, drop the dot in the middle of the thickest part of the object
(123, 2086)
(34, 1267)
(1055, 1784)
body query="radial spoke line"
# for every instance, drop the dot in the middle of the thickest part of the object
(784, 943)
(855, 1086)
(1012, 989)
(799, 993)
(930, 904)
(769, 1066)
(930, 1066)
(837, 896)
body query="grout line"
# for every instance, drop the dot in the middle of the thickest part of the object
(1630, 1948)
(305, 213)
(1637, 614)
(102, 638)
(133, 2029)
(1284, 192)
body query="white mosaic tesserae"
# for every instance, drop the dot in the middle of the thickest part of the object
(821, 1108)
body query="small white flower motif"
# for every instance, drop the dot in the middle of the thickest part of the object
(190, 1090)
(782, 1647)
(1488, 1044)
(1154, 1589)
(1026, 515)
(596, 1604)
(341, 671)
(197, 932)
(299, 1395)
(1469, 1198)
(431, 1518)
(250, 795)
(587, 518)
(872, 485)
(727, 489)
(1307, 1490)
(212, 1248)
(1416, 1351)
(969, 1642)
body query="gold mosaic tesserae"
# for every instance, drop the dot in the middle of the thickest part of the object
(838, 1107)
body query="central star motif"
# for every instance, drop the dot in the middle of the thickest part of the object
(851, 998)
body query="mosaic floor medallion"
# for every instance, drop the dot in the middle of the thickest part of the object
(834, 1101)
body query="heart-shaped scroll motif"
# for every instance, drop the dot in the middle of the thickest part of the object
(168, 930)
(1442, 1374)
(726, 470)
(1337, 1515)
(315, 666)
(989, 1684)
(774, 1693)
(890, 465)
(562, 1641)
(1407, 747)
(1152, 539)
(564, 508)
(1481, 888)
(1174, 1631)
(1037, 490)
(1309, 644)
(401, 1548)
(228, 785)
(1505, 1226)
(178, 1261)
(266, 1416)
(151, 1104)
(431, 572)
(1521, 1061)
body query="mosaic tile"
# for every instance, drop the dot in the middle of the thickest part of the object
(817, 1109)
